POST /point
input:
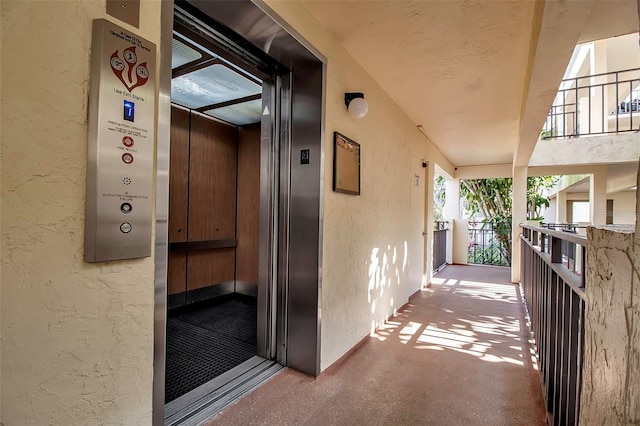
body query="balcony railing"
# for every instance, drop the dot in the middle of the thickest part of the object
(553, 284)
(439, 245)
(595, 105)
(489, 246)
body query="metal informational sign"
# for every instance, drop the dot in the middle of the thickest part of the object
(121, 145)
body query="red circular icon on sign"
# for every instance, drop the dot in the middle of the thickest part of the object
(127, 158)
(127, 141)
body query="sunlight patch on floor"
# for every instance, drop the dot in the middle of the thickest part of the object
(409, 330)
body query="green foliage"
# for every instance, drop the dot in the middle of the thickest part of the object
(438, 198)
(536, 186)
(490, 255)
(493, 198)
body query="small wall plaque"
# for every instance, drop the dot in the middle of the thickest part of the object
(346, 165)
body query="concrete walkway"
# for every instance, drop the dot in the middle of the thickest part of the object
(457, 355)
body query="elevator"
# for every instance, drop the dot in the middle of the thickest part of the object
(239, 206)
(221, 105)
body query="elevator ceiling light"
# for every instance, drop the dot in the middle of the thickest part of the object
(356, 105)
(211, 85)
(239, 114)
(182, 54)
(207, 83)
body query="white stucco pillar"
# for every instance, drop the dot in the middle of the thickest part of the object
(599, 97)
(452, 199)
(519, 216)
(428, 224)
(598, 196)
(451, 213)
(561, 207)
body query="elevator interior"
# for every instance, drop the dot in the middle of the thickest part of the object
(256, 42)
(214, 197)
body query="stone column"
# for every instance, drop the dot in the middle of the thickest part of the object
(610, 386)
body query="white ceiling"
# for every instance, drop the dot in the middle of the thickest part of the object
(461, 69)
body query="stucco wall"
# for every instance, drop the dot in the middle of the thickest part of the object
(372, 253)
(621, 52)
(624, 207)
(610, 389)
(460, 253)
(609, 149)
(77, 338)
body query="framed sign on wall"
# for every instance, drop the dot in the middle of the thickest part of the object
(346, 165)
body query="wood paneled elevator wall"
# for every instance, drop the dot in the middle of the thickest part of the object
(214, 191)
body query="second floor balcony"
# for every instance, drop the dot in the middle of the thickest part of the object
(597, 104)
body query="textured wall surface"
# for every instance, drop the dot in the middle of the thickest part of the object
(624, 207)
(373, 247)
(609, 149)
(611, 389)
(77, 338)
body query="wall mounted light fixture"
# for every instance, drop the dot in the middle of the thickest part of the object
(356, 105)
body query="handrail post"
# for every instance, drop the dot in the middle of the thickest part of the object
(583, 268)
(577, 112)
(630, 104)
(604, 112)
(556, 249)
(617, 106)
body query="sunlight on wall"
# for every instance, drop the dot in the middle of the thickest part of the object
(385, 272)
(358, 281)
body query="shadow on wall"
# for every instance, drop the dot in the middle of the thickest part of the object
(388, 269)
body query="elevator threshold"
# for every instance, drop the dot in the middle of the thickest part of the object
(204, 402)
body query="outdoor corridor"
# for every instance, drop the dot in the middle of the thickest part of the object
(457, 355)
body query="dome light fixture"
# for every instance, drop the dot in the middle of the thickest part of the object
(356, 105)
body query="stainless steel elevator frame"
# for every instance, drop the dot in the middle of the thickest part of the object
(296, 230)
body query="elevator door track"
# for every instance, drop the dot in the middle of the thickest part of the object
(206, 401)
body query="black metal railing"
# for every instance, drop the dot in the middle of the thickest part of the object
(553, 284)
(594, 105)
(489, 245)
(439, 245)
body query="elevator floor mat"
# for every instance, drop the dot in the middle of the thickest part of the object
(206, 341)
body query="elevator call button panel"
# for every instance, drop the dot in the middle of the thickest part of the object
(121, 140)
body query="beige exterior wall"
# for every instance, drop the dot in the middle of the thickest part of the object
(77, 338)
(484, 172)
(373, 249)
(609, 149)
(624, 207)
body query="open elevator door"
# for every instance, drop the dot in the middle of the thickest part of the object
(294, 266)
(225, 174)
